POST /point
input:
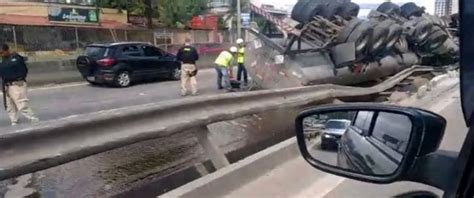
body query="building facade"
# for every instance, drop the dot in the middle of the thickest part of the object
(443, 7)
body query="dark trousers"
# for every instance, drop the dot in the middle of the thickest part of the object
(242, 71)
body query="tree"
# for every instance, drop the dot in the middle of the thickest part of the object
(135, 7)
(175, 13)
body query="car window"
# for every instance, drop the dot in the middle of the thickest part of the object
(96, 52)
(131, 51)
(363, 121)
(389, 132)
(336, 125)
(151, 51)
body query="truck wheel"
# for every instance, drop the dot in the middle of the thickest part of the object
(380, 35)
(411, 9)
(393, 36)
(347, 30)
(422, 30)
(435, 40)
(361, 36)
(331, 10)
(401, 46)
(349, 11)
(305, 10)
(389, 8)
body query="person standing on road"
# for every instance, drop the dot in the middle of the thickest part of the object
(242, 71)
(13, 72)
(223, 64)
(188, 56)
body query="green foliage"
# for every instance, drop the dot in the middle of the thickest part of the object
(175, 13)
(135, 7)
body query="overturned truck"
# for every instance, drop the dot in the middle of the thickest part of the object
(325, 42)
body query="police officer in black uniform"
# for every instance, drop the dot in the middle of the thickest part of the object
(13, 72)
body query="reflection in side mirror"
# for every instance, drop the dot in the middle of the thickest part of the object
(365, 142)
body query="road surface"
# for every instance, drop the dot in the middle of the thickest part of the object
(80, 98)
(296, 178)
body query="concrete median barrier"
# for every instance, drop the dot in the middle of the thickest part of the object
(52, 143)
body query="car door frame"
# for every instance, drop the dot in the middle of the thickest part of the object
(132, 63)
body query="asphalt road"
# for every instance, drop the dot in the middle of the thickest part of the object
(80, 98)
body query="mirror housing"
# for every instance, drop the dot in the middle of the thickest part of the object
(427, 132)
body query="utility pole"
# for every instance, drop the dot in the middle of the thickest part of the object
(239, 20)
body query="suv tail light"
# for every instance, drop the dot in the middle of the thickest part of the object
(107, 62)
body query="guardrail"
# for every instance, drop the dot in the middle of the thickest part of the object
(52, 143)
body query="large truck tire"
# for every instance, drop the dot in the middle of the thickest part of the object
(411, 9)
(422, 30)
(394, 35)
(349, 10)
(305, 10)
(389, 8)
(347, 30)
(380, 35)
(331, 10)
(436, 39)
(361, 36)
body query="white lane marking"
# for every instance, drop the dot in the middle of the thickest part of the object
(20, 189)
(322, 187)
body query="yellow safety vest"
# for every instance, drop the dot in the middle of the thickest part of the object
(241, 55)
(224, 59)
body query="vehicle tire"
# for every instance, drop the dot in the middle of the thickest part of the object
(422, 31)
(389, 8)
(349, 11)
(401, 46)
(411, 9)
(361, 36)
(331, 10)
(307, 10)
(380, 35)
(175, 74)
(347, 30)
(435, 40)
(122, 79)
(394, 35)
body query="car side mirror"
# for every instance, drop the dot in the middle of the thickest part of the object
(368, 142)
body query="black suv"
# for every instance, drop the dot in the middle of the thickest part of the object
(120, 64)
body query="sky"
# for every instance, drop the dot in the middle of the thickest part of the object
(286, 4)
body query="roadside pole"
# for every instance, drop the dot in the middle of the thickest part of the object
(239, 20)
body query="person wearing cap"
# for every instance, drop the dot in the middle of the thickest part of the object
(242, 71)
(223, 64)
(188, 56)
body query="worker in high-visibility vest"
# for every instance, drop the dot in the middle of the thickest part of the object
(242, 71)
(223, 65)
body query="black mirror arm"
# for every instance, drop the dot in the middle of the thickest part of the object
(434, 169)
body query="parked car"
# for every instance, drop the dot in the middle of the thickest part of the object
(120, 64)
(333, 130)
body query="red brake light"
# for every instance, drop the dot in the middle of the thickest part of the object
(106, 62)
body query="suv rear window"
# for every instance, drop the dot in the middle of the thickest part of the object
(97, 52)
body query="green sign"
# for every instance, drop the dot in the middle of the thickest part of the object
(73, 15)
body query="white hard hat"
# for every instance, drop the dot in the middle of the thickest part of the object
(240, 41)
(233, 49)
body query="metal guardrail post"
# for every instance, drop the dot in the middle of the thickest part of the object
(211, 148)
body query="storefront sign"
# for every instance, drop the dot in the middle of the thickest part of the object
(137, 20)
(73, 15)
